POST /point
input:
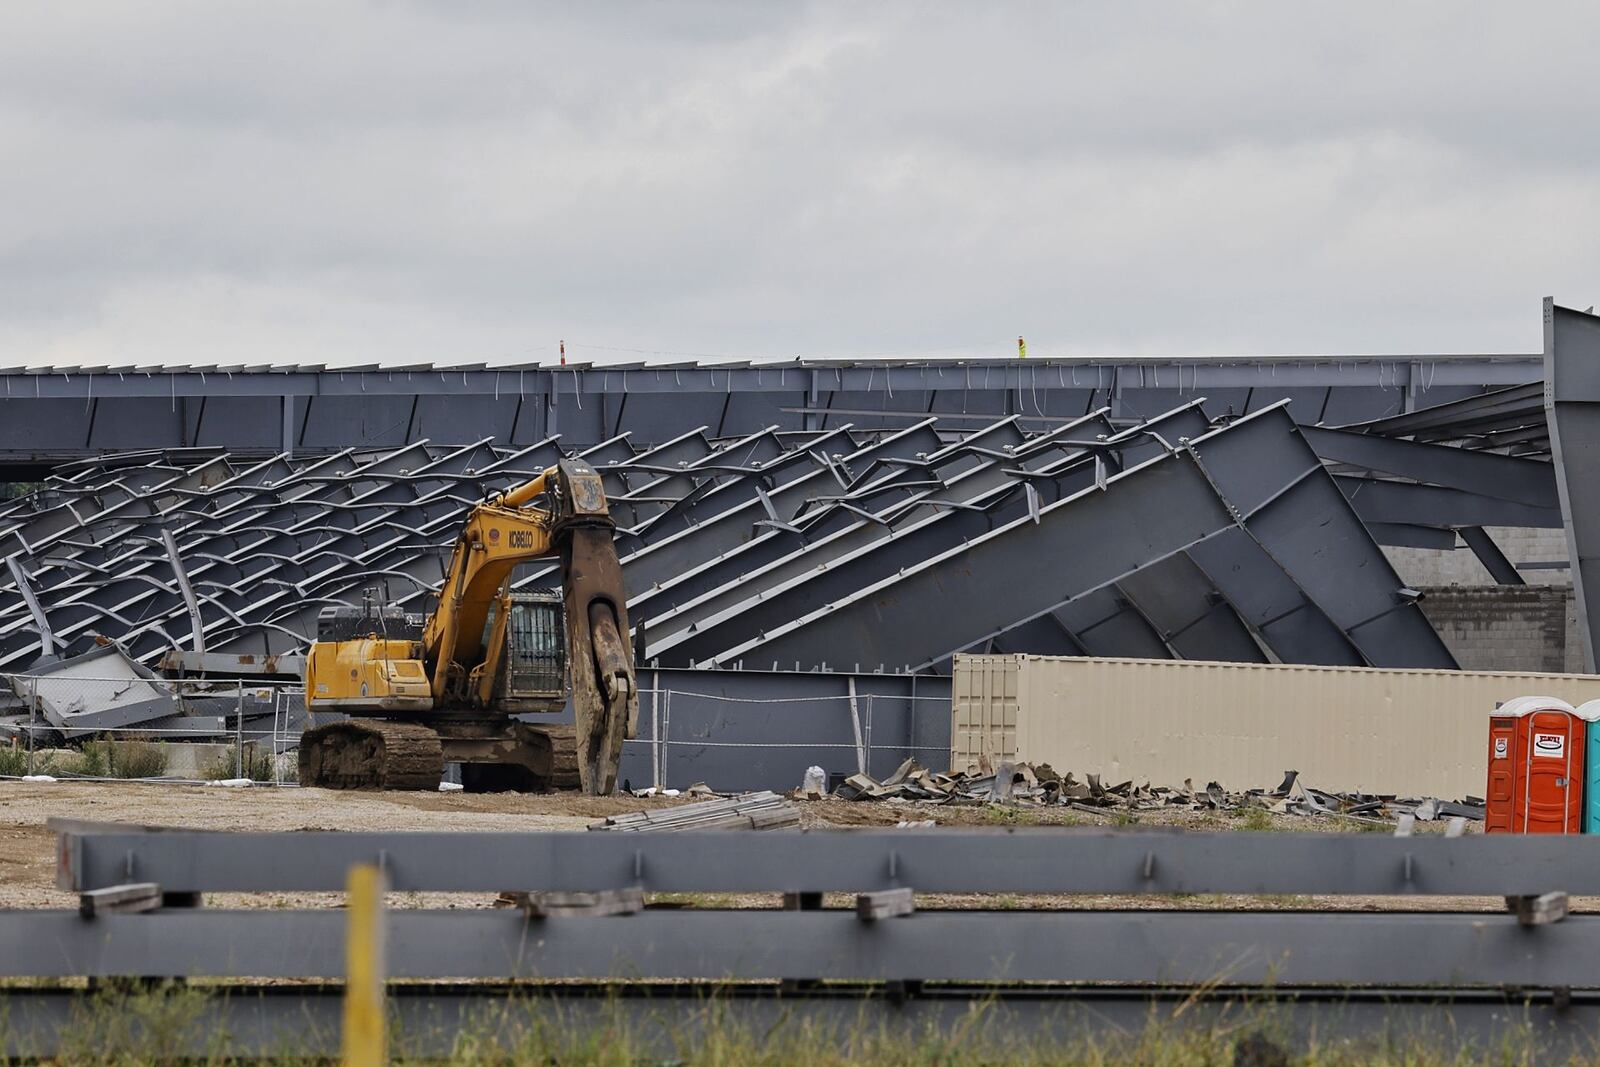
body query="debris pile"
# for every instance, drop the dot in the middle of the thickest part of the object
(106, 689)
(748, 811)
(1022, 783)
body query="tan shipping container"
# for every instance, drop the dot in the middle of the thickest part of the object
(1412, 732)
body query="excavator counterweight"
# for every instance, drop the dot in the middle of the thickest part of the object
(448, 693)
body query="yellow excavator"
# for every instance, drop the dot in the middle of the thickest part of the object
(447, 690)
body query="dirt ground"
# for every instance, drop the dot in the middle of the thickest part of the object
(27, 847)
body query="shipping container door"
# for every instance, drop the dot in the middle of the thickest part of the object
(984, 715)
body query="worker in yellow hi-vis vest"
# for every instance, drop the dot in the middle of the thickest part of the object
(1022, 347)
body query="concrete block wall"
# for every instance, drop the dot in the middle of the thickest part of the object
(1507, 627)
(1428, 567)
(1491, 627)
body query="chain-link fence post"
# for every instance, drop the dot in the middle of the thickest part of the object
(238, 732)
(862, 762)
(655, 730)
(666, 731)
(869, 734)
(33, 720)
(277, 700)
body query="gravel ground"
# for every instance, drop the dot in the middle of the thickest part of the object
(27, 848)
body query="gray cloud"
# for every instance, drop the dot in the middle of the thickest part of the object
(341, 182)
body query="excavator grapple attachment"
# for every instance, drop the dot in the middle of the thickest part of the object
(605, 701)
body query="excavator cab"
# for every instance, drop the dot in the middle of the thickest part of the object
(533, 675)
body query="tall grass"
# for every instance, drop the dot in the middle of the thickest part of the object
(123, 759)
(97, 759)
(13, 760)
(256, 764)
(133, 1025)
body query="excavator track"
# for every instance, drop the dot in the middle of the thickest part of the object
(371, 754)
(564, 753)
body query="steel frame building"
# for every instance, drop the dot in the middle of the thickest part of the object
(855, 530)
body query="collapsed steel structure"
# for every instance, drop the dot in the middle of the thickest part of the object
(1212, 529)
(1175, 537)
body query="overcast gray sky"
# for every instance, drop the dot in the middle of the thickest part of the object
(344, 181)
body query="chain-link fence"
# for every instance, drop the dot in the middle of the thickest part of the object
(148, 728)
(142, 727)
(734, 742)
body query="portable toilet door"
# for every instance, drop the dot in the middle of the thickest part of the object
(1506, 759)
(1547, 798)
(1590, 713)
(1498, 794)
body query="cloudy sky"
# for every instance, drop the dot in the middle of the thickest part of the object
(337, 181)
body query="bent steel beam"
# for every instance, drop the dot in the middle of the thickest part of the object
(1524, 481)
(1431, 505)
(974, 503)
(1256, 474)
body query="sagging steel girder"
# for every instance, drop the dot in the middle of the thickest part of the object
(1479, 421)
(1422, 495)
(1257, 475)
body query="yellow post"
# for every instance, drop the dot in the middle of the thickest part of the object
(364, 969)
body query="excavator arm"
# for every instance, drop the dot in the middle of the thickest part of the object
(498, 535)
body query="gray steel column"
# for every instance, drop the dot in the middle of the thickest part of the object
(1572, 409)
(288, 438)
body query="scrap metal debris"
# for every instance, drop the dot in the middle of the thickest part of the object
(106, 689)
(1022, 783)
(748, 811)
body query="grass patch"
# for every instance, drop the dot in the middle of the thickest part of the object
(257, 764)
(142, 1024)
(1259, 819)
(692, 900)
(14, 761)
(1010, 815)
(122, 759)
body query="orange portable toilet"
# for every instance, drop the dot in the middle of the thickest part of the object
(1548, 795)
(1529, 793)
